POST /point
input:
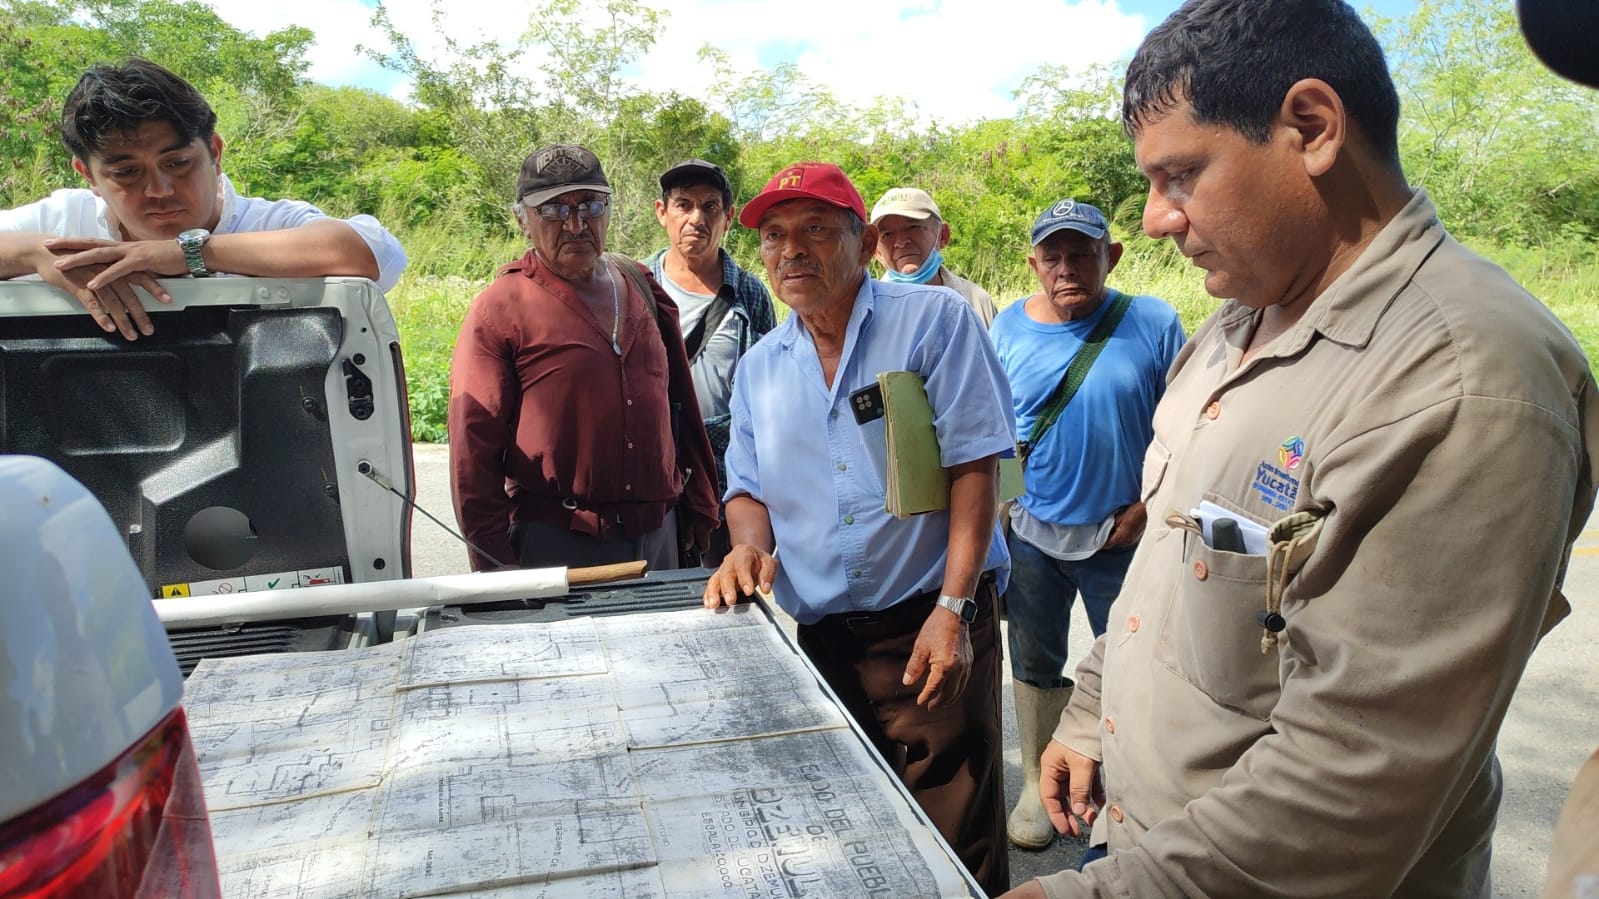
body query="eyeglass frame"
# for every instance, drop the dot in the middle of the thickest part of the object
(566, 210)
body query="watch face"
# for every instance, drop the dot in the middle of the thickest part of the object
(194, 236)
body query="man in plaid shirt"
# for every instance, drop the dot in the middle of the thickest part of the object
(723, 309)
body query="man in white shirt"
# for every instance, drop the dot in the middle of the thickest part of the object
(158, 206)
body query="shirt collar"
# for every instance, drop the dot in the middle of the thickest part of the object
(1348, 310)
(230, 206)
(729, 273)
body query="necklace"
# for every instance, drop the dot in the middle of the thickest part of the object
(616, 307)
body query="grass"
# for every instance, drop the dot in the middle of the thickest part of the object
(429, 307)
(1566, 278)
(429, 310)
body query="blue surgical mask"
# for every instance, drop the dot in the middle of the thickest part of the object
(929, 268)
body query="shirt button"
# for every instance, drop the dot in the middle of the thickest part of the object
(1116, 814)
(1213, 411)
(627, 486)
(1133, 623)
(833, 414)
(1200, 571)
(630, 402)
(849, 519)
(842, 466)
(630, 446)
(1110, 725)
(855, 573)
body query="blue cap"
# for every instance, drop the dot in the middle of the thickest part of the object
(1071, 214)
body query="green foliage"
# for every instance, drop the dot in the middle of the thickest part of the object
(252, 82)
(1504, 147)
(428, 311)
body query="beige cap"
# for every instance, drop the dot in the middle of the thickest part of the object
(906, 201)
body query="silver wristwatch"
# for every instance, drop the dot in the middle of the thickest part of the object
(191, 241)
(964, 607)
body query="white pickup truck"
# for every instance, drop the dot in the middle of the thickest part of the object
(253, 455)
(259, 440)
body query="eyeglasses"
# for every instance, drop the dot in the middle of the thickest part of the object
(560, 212)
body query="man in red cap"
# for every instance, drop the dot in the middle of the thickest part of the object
(898, 614)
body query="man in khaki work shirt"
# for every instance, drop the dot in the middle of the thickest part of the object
(1307, 705)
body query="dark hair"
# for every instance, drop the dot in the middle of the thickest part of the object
(109, 101)
(695, 180)
(853, 224)
(1234, 61)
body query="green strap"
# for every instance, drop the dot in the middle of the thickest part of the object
(1077, 371)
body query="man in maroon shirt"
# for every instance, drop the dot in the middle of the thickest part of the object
(566, 387)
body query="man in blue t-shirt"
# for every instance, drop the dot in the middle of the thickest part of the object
(1075, 528)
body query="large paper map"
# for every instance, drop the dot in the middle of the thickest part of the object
(663, 754)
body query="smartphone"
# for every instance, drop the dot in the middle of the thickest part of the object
(867, 404)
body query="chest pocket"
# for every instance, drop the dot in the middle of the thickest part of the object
(1214, 636)
(1156, 459)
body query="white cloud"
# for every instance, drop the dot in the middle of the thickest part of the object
(958, 60)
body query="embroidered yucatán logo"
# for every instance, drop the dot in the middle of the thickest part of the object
(1275, 483)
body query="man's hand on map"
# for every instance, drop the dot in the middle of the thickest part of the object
(745, 569)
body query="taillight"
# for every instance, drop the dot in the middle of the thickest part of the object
(137, 829)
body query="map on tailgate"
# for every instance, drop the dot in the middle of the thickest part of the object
(662, 754)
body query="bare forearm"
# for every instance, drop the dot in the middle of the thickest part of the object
(972, 490)
(323, 248)
(749, 521)
(20, 254)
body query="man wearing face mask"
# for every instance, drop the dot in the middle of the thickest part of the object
(912, 236)
(564, 386)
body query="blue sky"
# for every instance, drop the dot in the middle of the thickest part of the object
(957, 60)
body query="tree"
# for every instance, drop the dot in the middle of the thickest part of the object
(1504, 147)
(45, 47)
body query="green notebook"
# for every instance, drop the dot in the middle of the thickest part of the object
(917, 479)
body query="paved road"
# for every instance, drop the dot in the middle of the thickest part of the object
(1552, 727)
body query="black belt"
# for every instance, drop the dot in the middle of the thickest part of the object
(895, 618)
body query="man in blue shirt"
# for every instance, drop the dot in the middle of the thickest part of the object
(899, 615)
(722, 309)
(1075, 528)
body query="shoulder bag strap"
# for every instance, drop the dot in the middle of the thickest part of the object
(696, 339)
(635, 272)
(1076, 372)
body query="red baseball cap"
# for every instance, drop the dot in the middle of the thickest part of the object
(804, 181)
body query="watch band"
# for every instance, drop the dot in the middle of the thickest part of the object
(963, 606)
(191, 242)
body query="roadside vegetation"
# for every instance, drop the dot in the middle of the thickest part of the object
(1507, 150)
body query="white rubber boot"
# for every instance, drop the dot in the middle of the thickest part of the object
(1037, 713)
